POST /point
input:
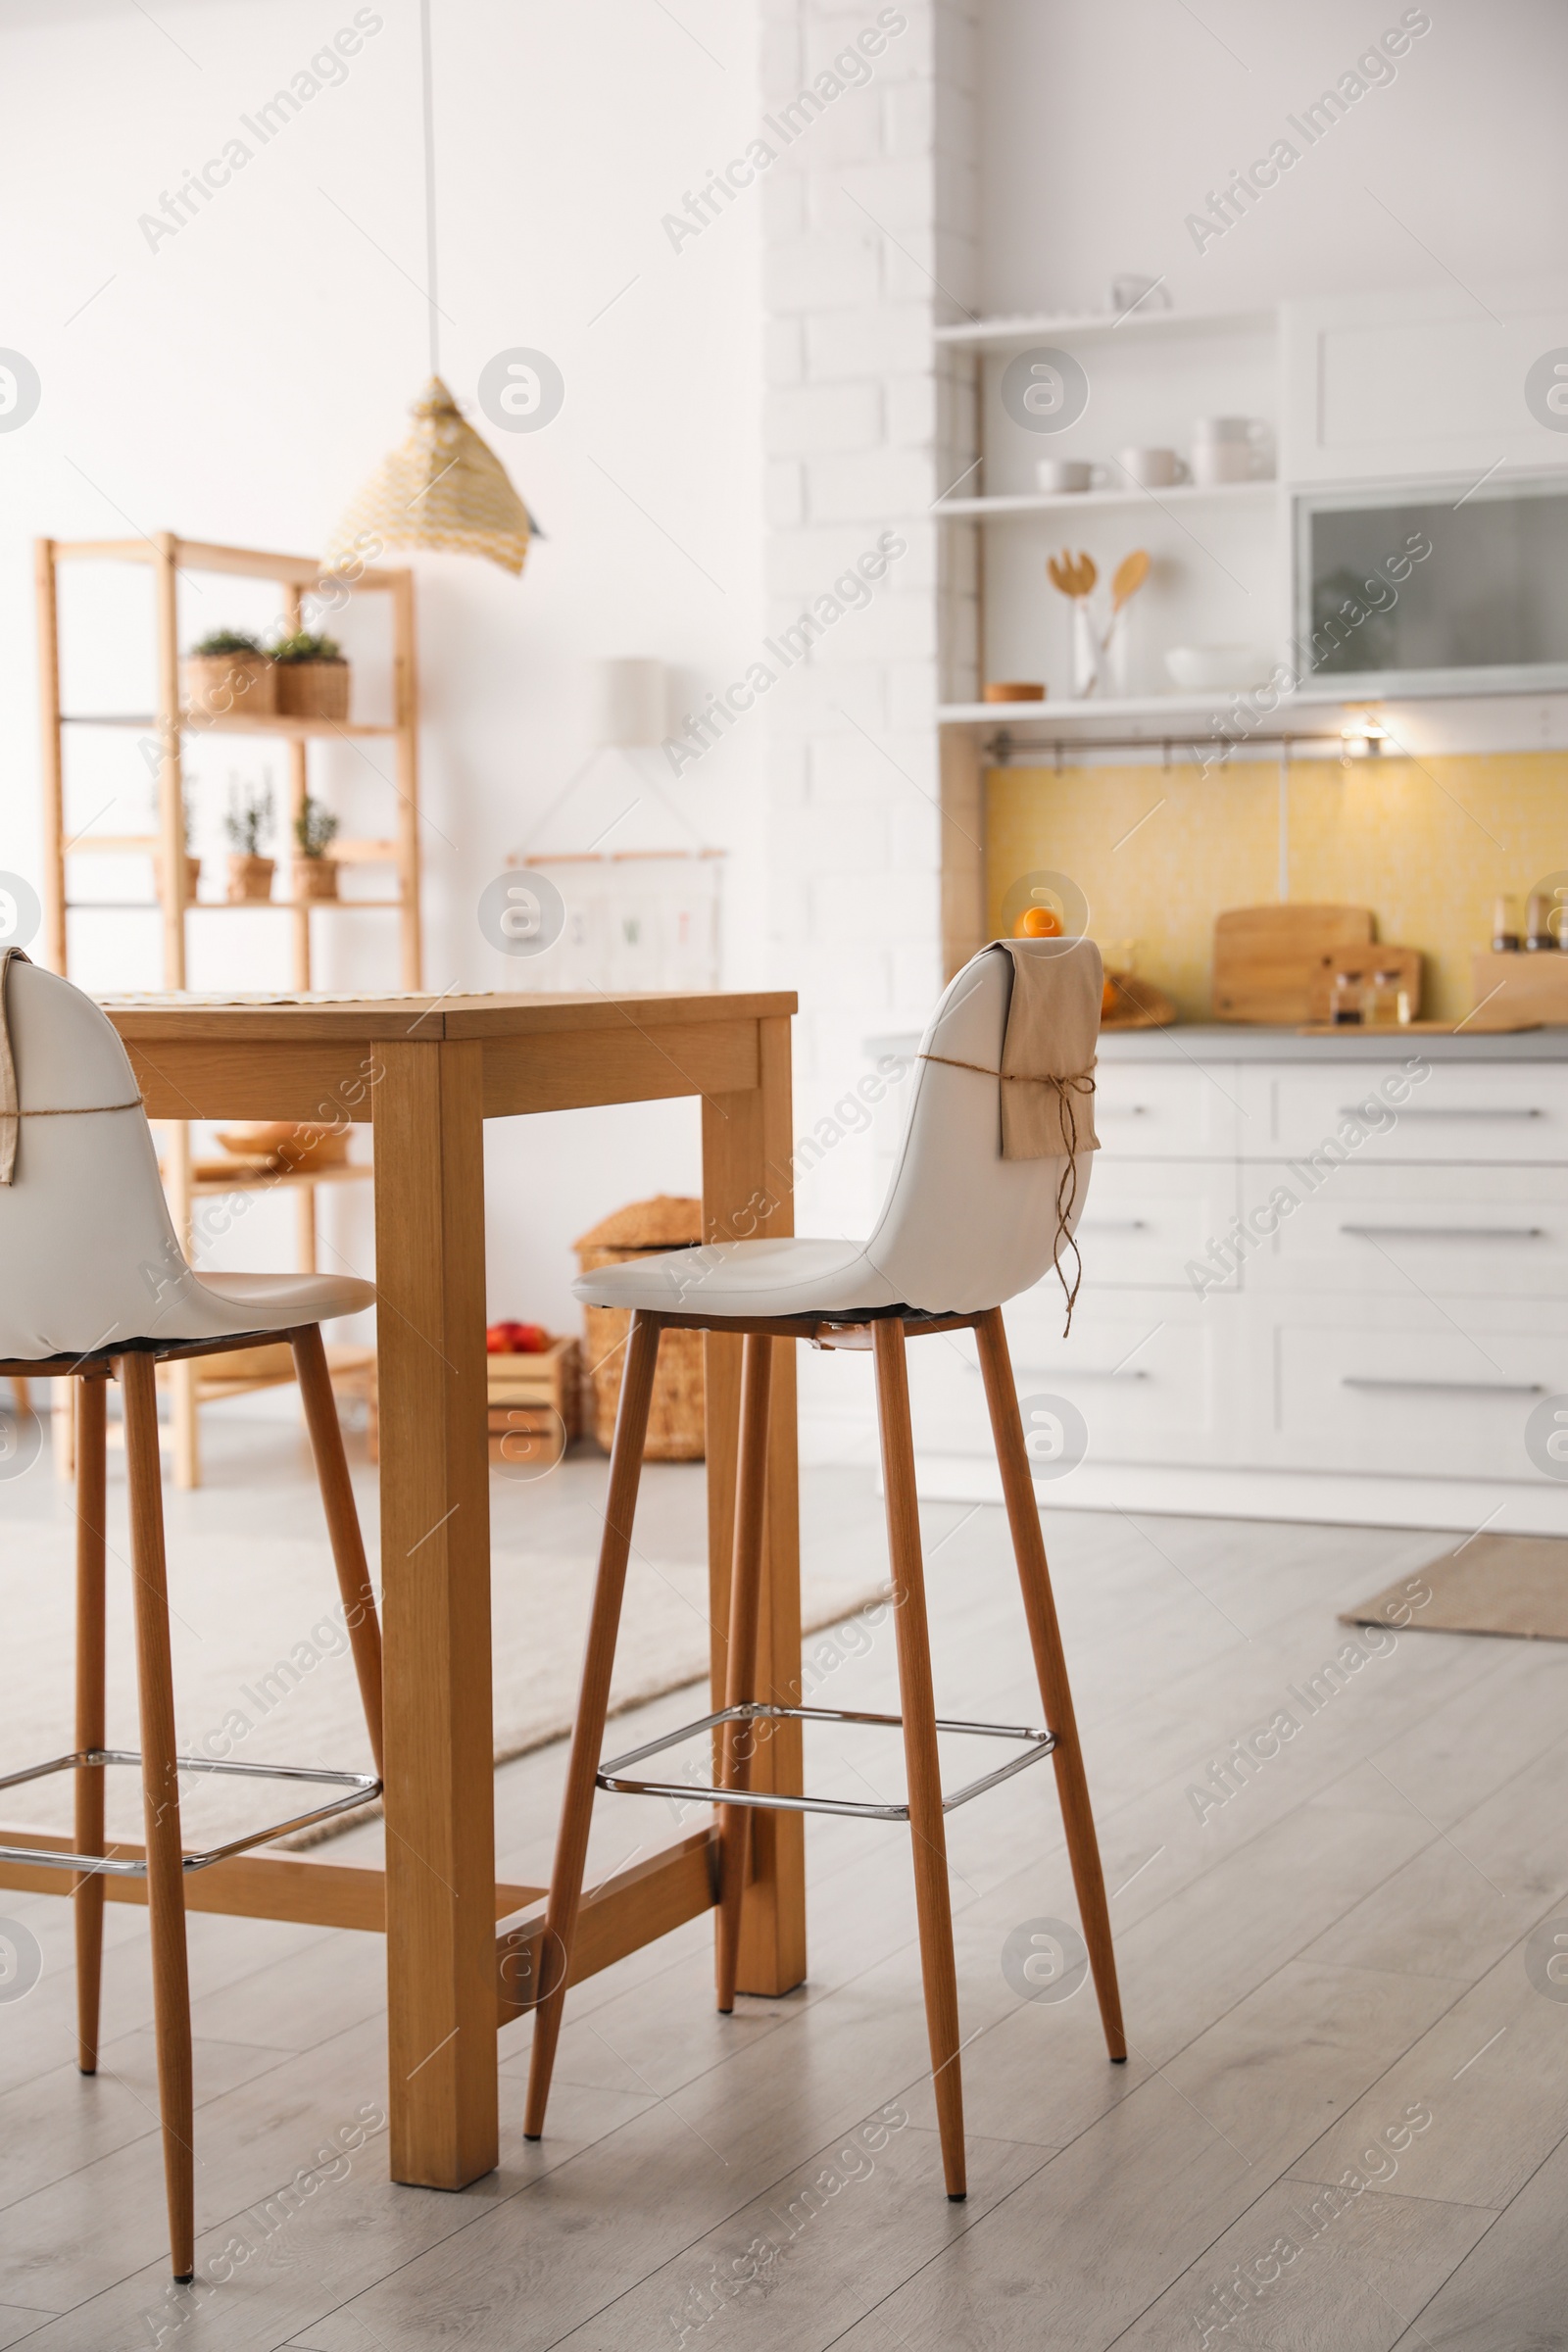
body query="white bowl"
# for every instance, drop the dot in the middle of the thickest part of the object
(1209, 668)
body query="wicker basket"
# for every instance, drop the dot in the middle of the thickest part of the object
(313, 689)
(675, 1430)
(314, 878)
(229, 685)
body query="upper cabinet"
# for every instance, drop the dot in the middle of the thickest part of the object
(1381, 386)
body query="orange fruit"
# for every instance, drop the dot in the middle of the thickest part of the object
(1037, 922)
(1108, 997)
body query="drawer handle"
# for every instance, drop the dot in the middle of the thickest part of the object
(1121, 1110)
(1451, 1387)
(1472, 1110)
(1114, 1225)
(1450, 1233)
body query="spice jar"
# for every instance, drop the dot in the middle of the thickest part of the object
(1504, 924)
(1345, 1011)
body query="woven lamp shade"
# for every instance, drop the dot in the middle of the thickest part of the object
(442, 488)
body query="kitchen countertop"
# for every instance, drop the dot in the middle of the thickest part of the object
(1242, 1041)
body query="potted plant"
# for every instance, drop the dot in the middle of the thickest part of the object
(314, 831)
(313, 677)
(228, 675)
(249, 818)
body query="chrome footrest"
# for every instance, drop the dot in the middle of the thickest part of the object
(361, 1786)
(612, 1773)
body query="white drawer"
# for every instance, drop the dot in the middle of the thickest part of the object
(1145, 1220)
(1150, 1110)
(1148, 1373)
(1420, 1231)
(1453, 1111)
(1409, 1392)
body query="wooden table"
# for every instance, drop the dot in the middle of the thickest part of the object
(427, 1073)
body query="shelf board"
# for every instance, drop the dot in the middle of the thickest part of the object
(1028, 502)
(219, 905)
(148, 845)
(266, 1180)
(236, 723)
(1083, 327)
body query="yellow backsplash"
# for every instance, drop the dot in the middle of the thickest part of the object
(1426, 844)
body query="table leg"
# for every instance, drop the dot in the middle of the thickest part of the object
(435, 1559)
(747, 1144)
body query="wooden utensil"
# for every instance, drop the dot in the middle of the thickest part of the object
(1074, 576)
(1130, 574)
(1268, 959)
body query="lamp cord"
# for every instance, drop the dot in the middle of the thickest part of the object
(430, 186)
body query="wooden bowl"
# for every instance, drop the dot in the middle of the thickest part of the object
(1012, 690)
(286, 1143)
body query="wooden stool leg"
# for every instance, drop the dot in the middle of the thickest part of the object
(91, 1450)
(342, 1523)
(738, 1742)
(923, 1765)
(588, 1731)
(165, 1890)
(1050, 1666)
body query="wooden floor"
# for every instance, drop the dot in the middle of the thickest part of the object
(1326, 1979)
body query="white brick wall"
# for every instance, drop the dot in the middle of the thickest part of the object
(866, 209)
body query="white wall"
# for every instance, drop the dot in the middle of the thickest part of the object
(1102, 127)
(238, 381)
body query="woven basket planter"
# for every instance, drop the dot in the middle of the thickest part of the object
(249, 880)
(675, 1427)
(194, 874)
(315, 878)
(229, 685)
(313, 689)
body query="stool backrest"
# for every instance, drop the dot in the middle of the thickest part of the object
(962, 1228)
(88, 1250)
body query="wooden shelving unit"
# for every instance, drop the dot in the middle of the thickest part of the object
(167, 556)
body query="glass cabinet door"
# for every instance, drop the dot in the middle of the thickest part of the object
(1422, 588)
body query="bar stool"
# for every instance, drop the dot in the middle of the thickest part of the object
(963, 1230)
(94, 1286)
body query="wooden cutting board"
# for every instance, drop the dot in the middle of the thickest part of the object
(1267, 958)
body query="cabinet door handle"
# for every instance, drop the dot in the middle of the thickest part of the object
(1121, 1110)
(1470, 1111)
(1451, 1388)
(1079, 1373)
(1450, 1233)
(1114, 1225)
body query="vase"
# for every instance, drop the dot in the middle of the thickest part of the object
(315, 878)
(250, 879)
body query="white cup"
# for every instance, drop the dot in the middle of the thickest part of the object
(1228, 449)
(1061, 477)
(1152, 469)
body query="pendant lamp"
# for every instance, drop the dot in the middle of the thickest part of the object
(443, 487)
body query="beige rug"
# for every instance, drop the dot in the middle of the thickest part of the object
(1511, 1585)
(261, 1667)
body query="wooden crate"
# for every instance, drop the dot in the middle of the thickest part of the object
(1520, 987)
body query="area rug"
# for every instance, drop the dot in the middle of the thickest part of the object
(1511, 1585)
(262, 1664)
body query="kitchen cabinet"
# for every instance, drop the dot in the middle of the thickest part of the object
(1376, 1356)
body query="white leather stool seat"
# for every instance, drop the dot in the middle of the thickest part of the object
(746, 1279)
(90, 1260)
(961, 1228)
